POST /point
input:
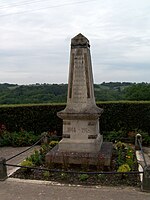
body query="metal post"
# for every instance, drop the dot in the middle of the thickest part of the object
(3, 169)
(138, 138)
(146, 179)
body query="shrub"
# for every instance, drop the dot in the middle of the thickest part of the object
(124, 168)
(83, 177)
(130, 158)
(113, 136)
(27, 163)
(145, 138)
(35, 158)
(46, 174)
(64, 176)
(23, 138)
(53, 143)
(5, 139)
(121, 145)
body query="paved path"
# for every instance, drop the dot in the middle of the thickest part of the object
(8, 152)
(38, 190)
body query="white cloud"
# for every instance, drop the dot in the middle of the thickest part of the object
(34, 46)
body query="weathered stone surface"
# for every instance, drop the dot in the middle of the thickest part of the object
(103, 157)
(81, 135)
(81, 115)
(80, 100)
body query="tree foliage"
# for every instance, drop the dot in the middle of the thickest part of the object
(57, 93)
(139, 92)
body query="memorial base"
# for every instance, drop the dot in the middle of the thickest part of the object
(102, 157)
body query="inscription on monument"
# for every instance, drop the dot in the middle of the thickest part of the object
(74, 130)
(85, 130)
(71, 129)
(78, 94)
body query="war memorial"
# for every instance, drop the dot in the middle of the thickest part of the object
(81, 137)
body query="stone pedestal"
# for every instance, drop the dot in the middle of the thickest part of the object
(100, 158)
(81, 136)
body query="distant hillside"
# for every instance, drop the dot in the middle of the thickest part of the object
(52, 93)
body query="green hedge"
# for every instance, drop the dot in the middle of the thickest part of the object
(40, 118)
(125, 116)
(37, 118)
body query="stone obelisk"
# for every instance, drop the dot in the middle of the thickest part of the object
(81, 115)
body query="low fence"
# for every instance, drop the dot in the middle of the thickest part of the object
(3, 161)
(105, 175)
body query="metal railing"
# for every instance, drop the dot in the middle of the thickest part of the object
(26, 149)
(145, 178)
(142, 152)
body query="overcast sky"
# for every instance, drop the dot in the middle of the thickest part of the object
(35, 39)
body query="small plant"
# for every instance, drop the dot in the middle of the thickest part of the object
(130, 157)
(35, 158)
(120, 145)
(27, 163)
(120, 159)
(124, 168)
(46, 174)
(53, 143)
(102, 177)
(63, 176)
(83, 177)
(125, 155)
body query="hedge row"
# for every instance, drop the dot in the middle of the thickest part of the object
(40, 118)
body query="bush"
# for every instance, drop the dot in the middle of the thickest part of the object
(83, 177)
(35, 158)
(22, 138)
(46, 174)
(27, 163)
(124, 168)
(113, 136)
(5, 139)
(53, 143)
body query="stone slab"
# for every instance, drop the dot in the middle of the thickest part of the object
(103, 157)
(87, 145)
